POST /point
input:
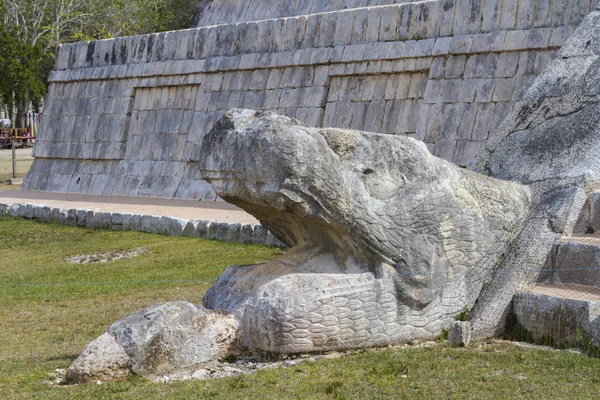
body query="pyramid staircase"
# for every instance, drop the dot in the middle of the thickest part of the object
(563, 307)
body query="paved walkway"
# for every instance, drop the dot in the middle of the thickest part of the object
(184, 209)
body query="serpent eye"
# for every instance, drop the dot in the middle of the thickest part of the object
(383, 184)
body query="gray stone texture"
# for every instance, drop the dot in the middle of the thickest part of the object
(127, 117)
(388, 243)
(104, 359)
(226, 232)
(575, 260)
(155, 341)
(550, 142)
(459, 334)
(564, 319)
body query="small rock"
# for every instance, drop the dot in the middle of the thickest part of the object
(231, 370)
(459, 334)
(104, 257)
(201, 374)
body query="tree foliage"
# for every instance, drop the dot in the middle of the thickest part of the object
(114, 18)
(24, 68)
(30, 31)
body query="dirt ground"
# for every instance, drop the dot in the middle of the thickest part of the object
(24, 161)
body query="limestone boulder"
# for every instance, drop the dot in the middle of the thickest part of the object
(102, 360)
(157, 340)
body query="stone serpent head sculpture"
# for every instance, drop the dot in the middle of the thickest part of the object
(387, 242)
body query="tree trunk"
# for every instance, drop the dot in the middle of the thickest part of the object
(11, 114)
(22, 110)
(38, 105)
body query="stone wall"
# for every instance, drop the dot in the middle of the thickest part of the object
(127, 116)
(218, 12)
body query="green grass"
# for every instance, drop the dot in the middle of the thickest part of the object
(50, 310)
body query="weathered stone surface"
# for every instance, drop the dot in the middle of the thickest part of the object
(102, 360)
(550, 141)
(562, 318)
(576, 261)
(459, 333)
(387, 242)
(157, 340)
(165, 337)
(130, 122)
(159, 225)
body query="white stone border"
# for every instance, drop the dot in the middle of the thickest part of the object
(162, 225)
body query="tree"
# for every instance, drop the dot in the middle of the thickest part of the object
(23, 68)
(30, 30)
(114, 18)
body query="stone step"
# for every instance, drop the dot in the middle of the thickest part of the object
(561, 312)
(594, 217)
(589, 217)
(575, 260)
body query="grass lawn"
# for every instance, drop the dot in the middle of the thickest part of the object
(50, 310)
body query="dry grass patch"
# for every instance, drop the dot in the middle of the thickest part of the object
(23, 166)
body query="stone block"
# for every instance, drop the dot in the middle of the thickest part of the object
(482, 43)
(545, 315)
(485, 90)
(41, 213)
(503, 89)
(202, 229)
(455, 67)
(55, 215)
(515, 40)
(491, 15)
(148, 223)
(27, 211)
(506, 66)
(538, 38)
(438, 68)
(13, 210)
(509, 14)
(459, 334)
(450, 91)
(131, 222)
(467, 91)
(559, 36)
(212, 231)
(343, 30)
(190, 229)
(461, 44)
(246, 233)
(68, 217)
(525, 14)
(259, 235)
(461, 16)
(85, 220)
(576, 261)
(178, 225)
